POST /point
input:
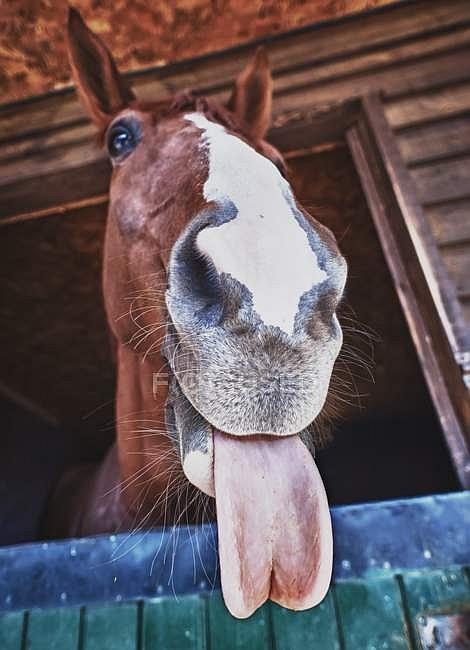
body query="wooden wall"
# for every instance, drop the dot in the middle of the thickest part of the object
(436, 149)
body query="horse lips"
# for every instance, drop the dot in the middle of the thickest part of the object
(274, 526)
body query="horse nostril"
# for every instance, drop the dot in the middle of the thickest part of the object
(198, 286)
(211, 314)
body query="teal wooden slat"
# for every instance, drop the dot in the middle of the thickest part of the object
(11, 630)
(371, 615)
(229, 633)
(170, 624)
(446, 590)
(109, 627)
(53, 629)
(314, 629)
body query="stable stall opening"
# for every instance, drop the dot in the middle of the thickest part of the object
(384, 440)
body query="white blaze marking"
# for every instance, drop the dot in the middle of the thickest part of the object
(263, 247)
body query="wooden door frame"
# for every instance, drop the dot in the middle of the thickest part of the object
(425, 291)
(426, 294)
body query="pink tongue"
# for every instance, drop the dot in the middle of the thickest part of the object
(275, 538)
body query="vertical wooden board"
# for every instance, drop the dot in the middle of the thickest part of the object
(445, 590)
(172, 624)
(371, 614)
(230, 633)
(53, 629)
(109, 627)
(11, 630)
(315, 629)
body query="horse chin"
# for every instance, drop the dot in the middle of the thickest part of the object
(274, 527)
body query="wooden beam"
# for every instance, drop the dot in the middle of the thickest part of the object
(423, 287)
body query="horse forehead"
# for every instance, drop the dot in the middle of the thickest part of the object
(236, 170)
(264, 244)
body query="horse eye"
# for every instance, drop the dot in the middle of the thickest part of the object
(122, 140)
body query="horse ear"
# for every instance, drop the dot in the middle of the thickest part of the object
(252, 93)
(100, 86)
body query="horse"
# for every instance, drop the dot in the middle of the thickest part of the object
(221, 294)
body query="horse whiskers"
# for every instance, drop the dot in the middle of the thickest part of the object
(136, 529)
(143, 434)
(147, 423)
(148, 481)
(124, 485)
(141, 312)
(143, 333)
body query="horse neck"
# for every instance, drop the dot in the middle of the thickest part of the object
(146, 456)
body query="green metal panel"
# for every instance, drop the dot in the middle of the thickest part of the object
(356, 615)
(53, 629)
(447, 590)
(315, 629)
(229, 633)
(110, 627)
(371, 614)
(174, 624)
(11, 631)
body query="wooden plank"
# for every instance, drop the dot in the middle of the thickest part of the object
(371, 614)
(48, 140)
(433, 591)
(315, 629)
(174, 624)
(443, 181)
(50, 161)
(441, 139)
(429, 106)
(321, 43)
(426, 293)
(229, 633)
(450, 222)
(457, 261)
(57, 189)
(53, 629)
(11, 630)
(394, 81)
(107, 627)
